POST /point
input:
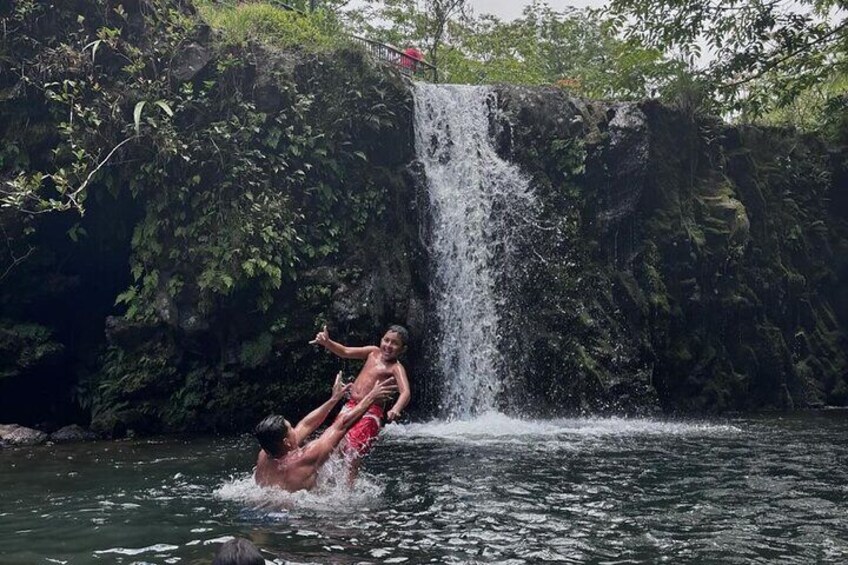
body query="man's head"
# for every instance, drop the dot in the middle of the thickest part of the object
(238, 551)
(275, 435)
(394, 342)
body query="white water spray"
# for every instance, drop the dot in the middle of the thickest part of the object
(477, 202)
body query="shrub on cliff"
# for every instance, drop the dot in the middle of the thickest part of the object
(263, 22)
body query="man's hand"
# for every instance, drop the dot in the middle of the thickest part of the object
(339, 388)
(393, 415)
(383, 390)
(321, 338)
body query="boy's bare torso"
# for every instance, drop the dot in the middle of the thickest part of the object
(375, 370)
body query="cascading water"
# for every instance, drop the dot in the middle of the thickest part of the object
(478, 201)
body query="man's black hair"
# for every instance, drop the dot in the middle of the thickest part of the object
(402, 332)
(270, 432)
(238, 551)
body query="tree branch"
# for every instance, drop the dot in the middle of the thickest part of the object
(781, 60)
(72, 196)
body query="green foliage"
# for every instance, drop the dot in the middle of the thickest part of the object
(761, 55)
(429, 24)
(227, 186)
(24, 347)
(249, 170)
(264, 22)
(255, 352)
(820, 107)
(85, 81)
(573, 49)
(128, 393)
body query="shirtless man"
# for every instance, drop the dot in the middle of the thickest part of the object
(381, 365)
(282, 462)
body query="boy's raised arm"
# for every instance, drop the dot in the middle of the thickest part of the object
(322, 338)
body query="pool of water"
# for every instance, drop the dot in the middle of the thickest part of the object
(491, 490)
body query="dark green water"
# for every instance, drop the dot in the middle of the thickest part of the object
(765, 490)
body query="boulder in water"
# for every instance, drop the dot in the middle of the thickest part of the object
(13, 434)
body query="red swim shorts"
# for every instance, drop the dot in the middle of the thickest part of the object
(361, 436)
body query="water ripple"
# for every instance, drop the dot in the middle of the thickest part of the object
(492, 490)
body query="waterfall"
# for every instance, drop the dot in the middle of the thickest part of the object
(478, 201)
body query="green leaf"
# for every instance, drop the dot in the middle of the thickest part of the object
(165, 108)
(94, 45)
(127, 296)
(137, 115)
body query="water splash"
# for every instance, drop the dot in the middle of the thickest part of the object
(478, 201)
(331, 494)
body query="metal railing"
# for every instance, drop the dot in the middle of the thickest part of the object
(387, 54)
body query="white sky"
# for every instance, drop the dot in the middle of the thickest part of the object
(509, 9)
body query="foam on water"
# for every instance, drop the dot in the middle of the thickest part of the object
(331, 494)
(492, 427)
(157, 548)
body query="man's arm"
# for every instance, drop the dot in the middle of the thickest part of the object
(315, 418)
(318, 451)
(323, 338)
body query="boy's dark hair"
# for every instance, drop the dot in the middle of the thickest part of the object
(402, 332)
(270, 433)
(238, 551)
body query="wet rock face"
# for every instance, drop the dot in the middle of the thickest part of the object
(620, 186)
(679, 258)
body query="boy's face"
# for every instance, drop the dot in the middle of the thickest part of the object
(391, 346)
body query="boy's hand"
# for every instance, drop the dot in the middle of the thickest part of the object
(321, 338)
(339, 388)
(393, 415)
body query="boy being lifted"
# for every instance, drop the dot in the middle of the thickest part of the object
(287, 460)
(381, 364)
